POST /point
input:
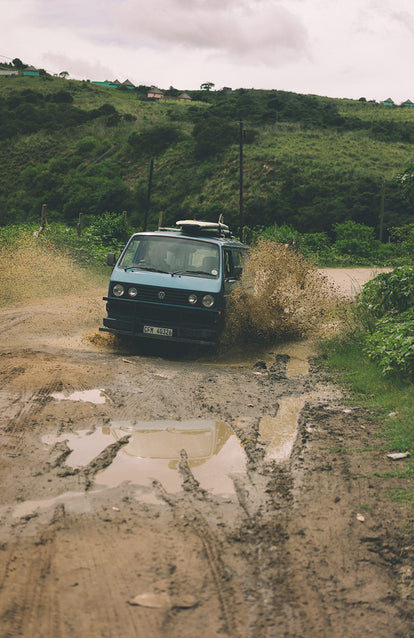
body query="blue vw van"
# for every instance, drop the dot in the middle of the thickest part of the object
(173, 283)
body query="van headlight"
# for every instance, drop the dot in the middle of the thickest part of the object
(192, 299)
(132, 292)
(208, 301)
(118, 290)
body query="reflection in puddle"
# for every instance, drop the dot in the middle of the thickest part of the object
(96, 395)
(213, 450)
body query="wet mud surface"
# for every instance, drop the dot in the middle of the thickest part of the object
(160, 491)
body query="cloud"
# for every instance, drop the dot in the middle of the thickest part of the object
(262, 30)
(78, 67)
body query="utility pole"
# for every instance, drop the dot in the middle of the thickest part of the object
(241, 134)
(151, 169)
(381, 227)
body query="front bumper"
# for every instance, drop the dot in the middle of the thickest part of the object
(188, 325)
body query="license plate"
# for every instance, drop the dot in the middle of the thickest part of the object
(154, 330)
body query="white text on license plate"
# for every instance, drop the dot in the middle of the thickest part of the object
(154, 330)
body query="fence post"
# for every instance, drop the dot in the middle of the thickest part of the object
(42, 221)
(79, 225)
(43, 218)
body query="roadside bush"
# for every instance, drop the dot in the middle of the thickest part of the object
(108, 229)
(402, 238)
(391, 345)
(391, 292)
(317, 246)
(385, 310)
(355, 239)
(283, 234)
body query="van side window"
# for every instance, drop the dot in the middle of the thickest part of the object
(228, 264)
(237, 258)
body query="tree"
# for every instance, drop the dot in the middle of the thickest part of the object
(63, 74)
(207, 86)
(405, 181)
(213, 135)
(154, 140)
(19, 64)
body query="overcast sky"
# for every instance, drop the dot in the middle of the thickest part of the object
(338, 48)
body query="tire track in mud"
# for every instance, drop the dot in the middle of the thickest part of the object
(12, 318)
(258, 537)
(263, 500)
(32, 609)
(203, 522)
(149, 392)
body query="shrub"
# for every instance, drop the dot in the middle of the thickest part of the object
(108, 229)
(391, 292)
(213, 135)
(391, 345)
(154, 139)
(355, 239)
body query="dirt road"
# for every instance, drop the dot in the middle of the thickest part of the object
(158, 491)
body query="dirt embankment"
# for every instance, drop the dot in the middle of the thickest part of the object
(159, 492)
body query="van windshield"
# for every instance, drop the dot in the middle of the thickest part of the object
(173, 255)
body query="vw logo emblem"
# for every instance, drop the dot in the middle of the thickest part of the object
(161, 295)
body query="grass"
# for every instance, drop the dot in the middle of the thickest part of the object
(390, 399)
(47, 265)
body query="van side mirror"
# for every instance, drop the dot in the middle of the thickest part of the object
(237, 272)
(111, 259)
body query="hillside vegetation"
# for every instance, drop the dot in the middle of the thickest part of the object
(309, 162)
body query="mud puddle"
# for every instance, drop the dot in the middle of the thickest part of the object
(214, 451)
(297, 360)
(96, 396)
(280, 431)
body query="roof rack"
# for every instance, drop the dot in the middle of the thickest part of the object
(196, 227)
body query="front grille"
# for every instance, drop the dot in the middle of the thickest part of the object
(133, 309)
(150, 294)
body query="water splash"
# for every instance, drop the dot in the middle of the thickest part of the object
(281, 296)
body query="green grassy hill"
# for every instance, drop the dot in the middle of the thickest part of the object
(308, 161)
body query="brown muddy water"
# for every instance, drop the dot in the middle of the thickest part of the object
(215, 454)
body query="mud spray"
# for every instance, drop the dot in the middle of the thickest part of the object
(281, 296)
(33, 268)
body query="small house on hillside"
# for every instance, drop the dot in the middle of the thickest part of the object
(184, 97)
(30, 71)
(128, 84)
(388, 102)
(407, 103)
(8, 72)
(105, 83)
(155, 94)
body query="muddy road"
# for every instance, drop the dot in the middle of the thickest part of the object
(161, 491)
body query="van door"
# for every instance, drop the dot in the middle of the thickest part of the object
(230, 281)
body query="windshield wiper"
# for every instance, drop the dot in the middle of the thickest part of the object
(146, 268)
(192, 272)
